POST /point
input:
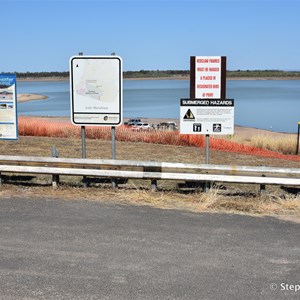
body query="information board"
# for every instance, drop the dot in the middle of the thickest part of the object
(96, 90)
(207, 116)
(8, 107)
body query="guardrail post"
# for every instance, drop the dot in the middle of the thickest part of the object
(0, 179)
(262, 187)
(55, 178)
(153, 185)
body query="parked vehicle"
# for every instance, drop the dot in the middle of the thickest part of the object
(132, 122)
(141, 126)
(167, 126)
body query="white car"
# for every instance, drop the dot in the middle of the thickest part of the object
(141, 126)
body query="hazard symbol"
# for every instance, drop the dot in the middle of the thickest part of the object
(189, 115)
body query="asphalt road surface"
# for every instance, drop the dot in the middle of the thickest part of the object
(56, 249)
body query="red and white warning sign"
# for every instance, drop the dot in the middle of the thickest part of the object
(208, 77)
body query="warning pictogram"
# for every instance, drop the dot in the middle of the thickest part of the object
(197, 127)
(217, 127)
(189, 115)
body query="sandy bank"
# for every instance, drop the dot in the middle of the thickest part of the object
(43, 79)
(30, 97)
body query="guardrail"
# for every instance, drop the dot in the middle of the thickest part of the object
(153, 171)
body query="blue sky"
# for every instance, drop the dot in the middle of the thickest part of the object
(41, 35)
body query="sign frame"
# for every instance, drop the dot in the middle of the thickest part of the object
(87, 106)
(8, 107)
(207, 116)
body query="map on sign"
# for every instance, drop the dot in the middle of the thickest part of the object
(96, 90)
(91, 80)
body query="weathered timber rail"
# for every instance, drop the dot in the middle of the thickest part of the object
(153, 171)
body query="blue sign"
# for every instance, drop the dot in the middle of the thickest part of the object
(8, 107)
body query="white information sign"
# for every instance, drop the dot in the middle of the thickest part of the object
(8, 107)
(208, 77)
(207, 116)
(96, 90)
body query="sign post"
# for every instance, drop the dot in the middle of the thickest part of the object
(8, 107)
(207, 111)
(96, 84)
(298, 136)
(83, 144)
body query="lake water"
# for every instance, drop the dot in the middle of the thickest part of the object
(266, 104)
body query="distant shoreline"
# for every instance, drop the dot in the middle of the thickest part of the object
(53, 79)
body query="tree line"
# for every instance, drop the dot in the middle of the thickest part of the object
(262, 73)
(167, 73)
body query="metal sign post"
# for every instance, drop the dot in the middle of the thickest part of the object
(113, 142)
(83, 152)
(207, 147)
(113, 153)
(298, 136)
(207, 155)
(83, 132)
(83, 143)
(114, 182)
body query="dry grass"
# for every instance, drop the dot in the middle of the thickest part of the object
(214, 201)
(230, 198)
(284, 143)
(263, 146)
